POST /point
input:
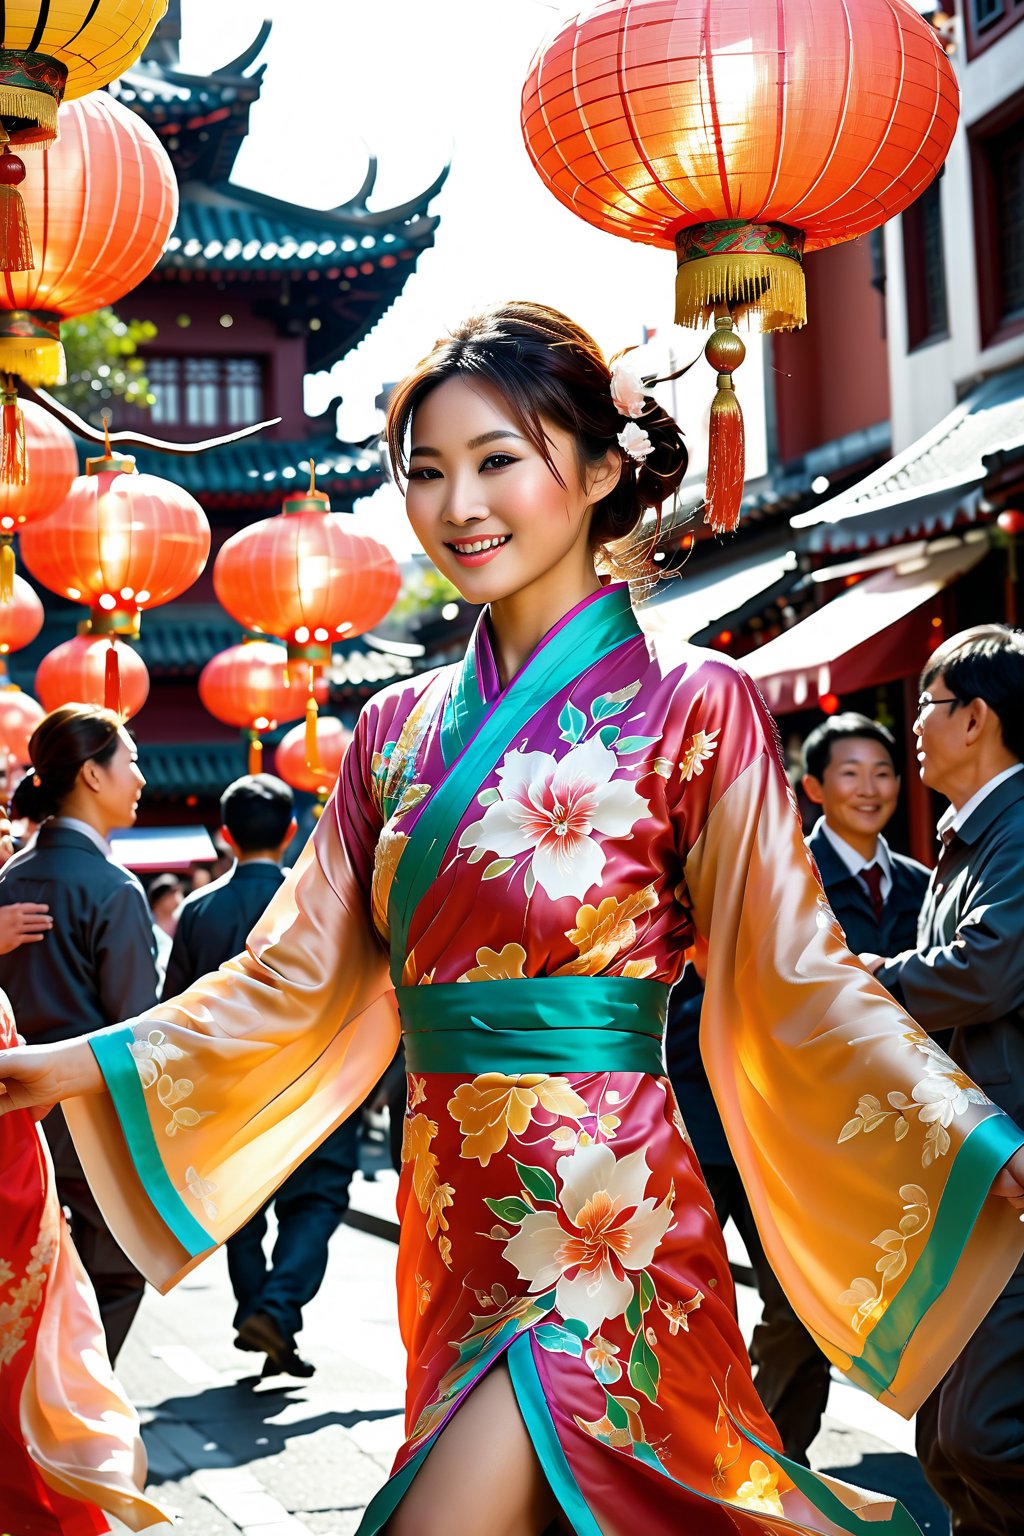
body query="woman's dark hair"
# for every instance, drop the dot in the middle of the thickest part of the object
(59, 745)
(986, 662)
(548, 369)
(817, 751)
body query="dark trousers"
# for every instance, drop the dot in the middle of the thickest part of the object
(116, 1281)
(970, 1431)
(309, 1206)
(791, 1373)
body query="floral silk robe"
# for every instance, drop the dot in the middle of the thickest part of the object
(70, 1443)
(537, 859)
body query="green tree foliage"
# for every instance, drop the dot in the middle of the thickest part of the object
(103, 364)
(422, 590)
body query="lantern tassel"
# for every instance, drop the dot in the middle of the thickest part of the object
(112, 679)
(13, 458)
(15, 240)
(312, 743)
(6, 571)
(724, 490)
(255, 753)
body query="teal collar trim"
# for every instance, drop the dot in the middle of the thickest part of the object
(581, 640)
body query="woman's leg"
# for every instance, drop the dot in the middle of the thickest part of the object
(482, 1477)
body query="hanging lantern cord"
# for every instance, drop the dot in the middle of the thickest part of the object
(255, 753)
(724, 490)
(312, 477)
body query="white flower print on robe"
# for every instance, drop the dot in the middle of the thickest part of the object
(552, 808)
(611, 1229)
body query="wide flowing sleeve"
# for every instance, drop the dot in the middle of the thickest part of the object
(214, 1096)
(867, 1155)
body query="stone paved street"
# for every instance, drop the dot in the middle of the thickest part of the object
(232, 1454)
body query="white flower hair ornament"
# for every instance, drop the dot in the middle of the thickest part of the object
(628, 391)
(635, 442)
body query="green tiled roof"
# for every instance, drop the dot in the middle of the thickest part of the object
(204, 768)
(225, 228)
(258, 472)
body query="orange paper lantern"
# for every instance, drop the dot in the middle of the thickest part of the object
(54, 464)
(739, 133)
(19, 716)
(78, 672)
(101, 203)
(119, 542)
(307, 576)
(291, 756)
(21, 619)
(253, 686)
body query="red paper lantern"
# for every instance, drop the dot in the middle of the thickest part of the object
(77, 672)
(19, 716)
(1011, 522)
(739, 133)
(119, 542)
(53, 461)
(254, 687)
(21, 619)
(307, 576)
(101, 202)
(291, 754)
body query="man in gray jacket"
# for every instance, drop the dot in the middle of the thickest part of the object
(964, 983)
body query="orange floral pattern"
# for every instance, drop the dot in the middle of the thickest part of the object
(492, 1106)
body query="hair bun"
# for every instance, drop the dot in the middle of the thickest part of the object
(32, 800)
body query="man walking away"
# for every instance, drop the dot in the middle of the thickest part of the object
(966, 974)
(258, 815)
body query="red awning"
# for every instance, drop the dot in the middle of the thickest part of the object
(876, 632)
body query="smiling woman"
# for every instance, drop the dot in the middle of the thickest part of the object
(520, 852)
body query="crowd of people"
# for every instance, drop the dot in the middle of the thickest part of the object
(884, 992)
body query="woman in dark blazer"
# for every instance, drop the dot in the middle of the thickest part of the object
(97, 964)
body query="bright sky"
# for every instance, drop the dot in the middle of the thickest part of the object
(421, 82)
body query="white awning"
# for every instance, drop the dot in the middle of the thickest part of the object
(710, 588)
(873, 633)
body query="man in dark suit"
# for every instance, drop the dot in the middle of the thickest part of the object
(966, 975)
(850, 771)
(213, 924)
(876, 894)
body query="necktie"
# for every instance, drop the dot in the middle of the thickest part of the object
(872, 877)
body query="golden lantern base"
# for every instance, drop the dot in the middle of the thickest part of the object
(753, 271)
(30, 347)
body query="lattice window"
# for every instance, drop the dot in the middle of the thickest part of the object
(214, 392)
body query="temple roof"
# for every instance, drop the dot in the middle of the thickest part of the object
(332, 272)
(202, 119)
(255, 474)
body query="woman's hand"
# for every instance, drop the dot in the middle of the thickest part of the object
(1009, 1182)
(35, 1077)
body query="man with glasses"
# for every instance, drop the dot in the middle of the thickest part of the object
(966, 976)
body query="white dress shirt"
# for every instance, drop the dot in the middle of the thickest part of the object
(952, 820)
(74, 825)
(856, 863)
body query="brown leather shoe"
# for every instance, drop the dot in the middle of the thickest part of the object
(259, 1332)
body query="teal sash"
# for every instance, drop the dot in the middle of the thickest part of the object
(593, 632)
(547, 1024)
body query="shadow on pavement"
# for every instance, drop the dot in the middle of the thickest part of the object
(230, 1426)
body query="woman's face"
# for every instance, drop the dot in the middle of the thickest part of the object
(117, 784)
(484, 503)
